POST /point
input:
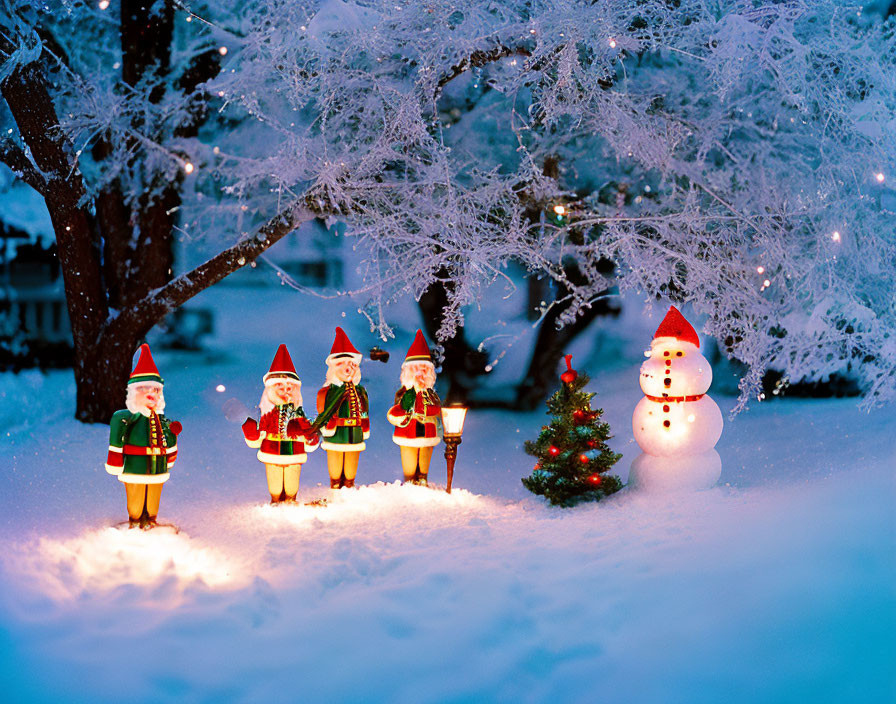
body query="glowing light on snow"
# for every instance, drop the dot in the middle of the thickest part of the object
(103, 4)
(189, 168)
(760, 269)
(371, 503)
(880, 177)
(222, 50)
(108, 558)
(835, 236)
(560, 210)
(612, 43)
(766, 283)
(220, 388)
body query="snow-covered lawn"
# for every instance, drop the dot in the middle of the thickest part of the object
(779, 585)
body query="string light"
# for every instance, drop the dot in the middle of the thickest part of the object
(220, 388)
(880, 177)
(612, 43)
(103, 4)
(760, 269)
(560, 210)
(835, 236)
(222, 50)
(188, 167)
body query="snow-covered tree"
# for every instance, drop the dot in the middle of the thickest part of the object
(737, 156)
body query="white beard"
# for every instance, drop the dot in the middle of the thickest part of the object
(265, 405)
(333, 380)
(143, 410)
(408, 377)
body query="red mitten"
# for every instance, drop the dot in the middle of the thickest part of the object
(297, 426)
(175, 427)
(250, 430)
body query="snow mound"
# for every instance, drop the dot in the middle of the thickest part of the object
(375, 502)
(103, 560)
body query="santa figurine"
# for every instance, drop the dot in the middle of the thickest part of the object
(283, 435)
(343, 412)
(143, 443)
(416, 414)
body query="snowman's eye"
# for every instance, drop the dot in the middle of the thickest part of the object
(679, 354)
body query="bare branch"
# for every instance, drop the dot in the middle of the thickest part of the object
(15, 158)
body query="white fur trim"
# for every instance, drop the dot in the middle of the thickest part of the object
(268, 458)
(398, 420)
(114, 471)
(353, 355)
(270, 379)
(416, 442)
(311, 448)
(254, 444)
(339, 447)
(327, 432)
(143, 478)
(366, 434)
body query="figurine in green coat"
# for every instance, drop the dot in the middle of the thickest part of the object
(143, 443)
(343, 412)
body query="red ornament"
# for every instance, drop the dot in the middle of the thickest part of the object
(578, 416)
(583, 458)
(592, 443)
(594, 479)
(553, 451)
(570, 375)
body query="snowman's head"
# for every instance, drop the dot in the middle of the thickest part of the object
(675, 368)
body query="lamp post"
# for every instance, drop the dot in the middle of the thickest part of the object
(453, 424)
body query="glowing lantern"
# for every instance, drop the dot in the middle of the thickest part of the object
(453, 427)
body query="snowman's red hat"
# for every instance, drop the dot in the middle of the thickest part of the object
(675, 325)
(342, 347)
(282, 368)
(419, 350)
(145, 371)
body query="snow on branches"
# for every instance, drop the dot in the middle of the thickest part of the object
(738, 157)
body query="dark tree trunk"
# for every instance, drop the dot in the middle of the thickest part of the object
(550, 346)
(103, 371)
(462, 363)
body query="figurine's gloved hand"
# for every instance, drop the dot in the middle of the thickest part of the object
(250, 430)
(297, 427)
(175, 427)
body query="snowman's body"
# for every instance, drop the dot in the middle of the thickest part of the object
(676, 417)
(676, 424)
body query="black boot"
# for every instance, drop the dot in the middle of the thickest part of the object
(348, 483)
(336, 483)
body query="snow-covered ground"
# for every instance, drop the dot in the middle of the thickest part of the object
(778, 585)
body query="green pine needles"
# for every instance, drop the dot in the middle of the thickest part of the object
(573, 457)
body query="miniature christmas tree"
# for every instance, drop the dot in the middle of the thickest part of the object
(572, 453)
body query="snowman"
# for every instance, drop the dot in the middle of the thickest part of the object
(676, 424)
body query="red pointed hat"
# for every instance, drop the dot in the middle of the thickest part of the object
(342, 347)
(675, 325)
(419, 350)
(281, 368)
(145, 371)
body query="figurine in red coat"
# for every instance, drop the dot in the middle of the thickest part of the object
(416, 414)
(283, 434)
